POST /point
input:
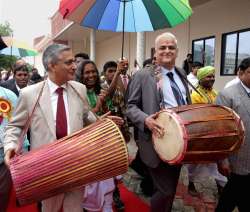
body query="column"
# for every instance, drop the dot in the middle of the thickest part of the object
(140, 48)
(92, 44)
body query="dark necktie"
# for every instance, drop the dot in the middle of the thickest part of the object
(176, 90)
(61, 119)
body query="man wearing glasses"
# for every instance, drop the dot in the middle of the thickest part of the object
(60, 111)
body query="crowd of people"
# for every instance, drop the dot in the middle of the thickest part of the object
(132, 102)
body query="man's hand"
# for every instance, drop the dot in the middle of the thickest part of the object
(153, 126)
(224, 167)
(118, 120)
(8, 155)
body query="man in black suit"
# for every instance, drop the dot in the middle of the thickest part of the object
(20, 78)
(145, 97)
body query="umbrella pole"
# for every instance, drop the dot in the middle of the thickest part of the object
(123, 26)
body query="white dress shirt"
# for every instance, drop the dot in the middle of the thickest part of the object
(18, 88)
(169, 98)
(193, 79)
(54, 98)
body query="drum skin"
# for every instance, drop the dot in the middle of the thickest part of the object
(95, 153)
(198, 133)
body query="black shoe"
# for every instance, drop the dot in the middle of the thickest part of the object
(119, 205)
(192, 190)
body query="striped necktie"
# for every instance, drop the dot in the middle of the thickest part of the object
(176, 90)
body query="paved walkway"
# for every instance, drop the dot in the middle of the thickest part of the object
(205, 202)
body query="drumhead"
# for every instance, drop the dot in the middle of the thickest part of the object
(172, 146)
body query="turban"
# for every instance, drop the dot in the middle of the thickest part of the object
(205, 71)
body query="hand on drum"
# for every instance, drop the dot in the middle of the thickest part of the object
(8, 155)
(153, 126)
(118, 120)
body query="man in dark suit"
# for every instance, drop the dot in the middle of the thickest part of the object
(145, 97)
(20, 78)
(236, 191)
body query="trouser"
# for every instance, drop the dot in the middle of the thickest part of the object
(69, 202)
(235, 194)
(5, 187)
(165, 178)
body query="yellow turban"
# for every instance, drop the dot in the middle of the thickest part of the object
(205, 71)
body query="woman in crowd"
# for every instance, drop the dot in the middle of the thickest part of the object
(98, 196)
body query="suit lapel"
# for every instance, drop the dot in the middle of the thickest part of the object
(46, 107)
(72, 104)
(244, 98)
(181, 75)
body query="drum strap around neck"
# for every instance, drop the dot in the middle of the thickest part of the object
(27, 123)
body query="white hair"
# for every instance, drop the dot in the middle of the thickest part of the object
(166, 36)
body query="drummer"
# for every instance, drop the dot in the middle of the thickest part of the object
(149, 90)
(54, 116)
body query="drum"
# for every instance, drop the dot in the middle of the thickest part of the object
(95, 153)
(199, 133)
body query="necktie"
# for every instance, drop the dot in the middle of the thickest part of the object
(125, 82)
(176, 90)
(61, 119)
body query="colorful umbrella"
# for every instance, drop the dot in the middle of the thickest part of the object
(10, 46)
(126, 15)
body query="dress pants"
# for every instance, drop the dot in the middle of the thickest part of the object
(235, 194)
(165, 179)
(70, 202)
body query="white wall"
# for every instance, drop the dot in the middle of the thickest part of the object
(111, 49)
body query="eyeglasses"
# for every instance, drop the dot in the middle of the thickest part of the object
(70, 62)
(171, 48)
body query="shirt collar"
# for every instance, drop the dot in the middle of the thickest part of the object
(124, 75)
(245, 87)
(53, 86)
(17, 87)
(165, 71)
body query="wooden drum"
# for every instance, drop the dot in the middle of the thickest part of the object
(199, 133)
(95, 153)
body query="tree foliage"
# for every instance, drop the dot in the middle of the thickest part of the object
(5, 29)
(6, 61)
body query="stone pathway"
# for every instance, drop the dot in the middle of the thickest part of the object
(205, 202)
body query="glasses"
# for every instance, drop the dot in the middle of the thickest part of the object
(171, 48)
(70, 62)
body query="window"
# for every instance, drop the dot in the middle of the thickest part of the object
(235, 47)
(203, 50)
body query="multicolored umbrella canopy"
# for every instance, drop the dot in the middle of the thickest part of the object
(10, 46)
(126, 15)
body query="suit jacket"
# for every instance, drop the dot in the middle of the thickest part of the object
(42, 127)
(236, 98)
(11, 85)
(144, 99)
